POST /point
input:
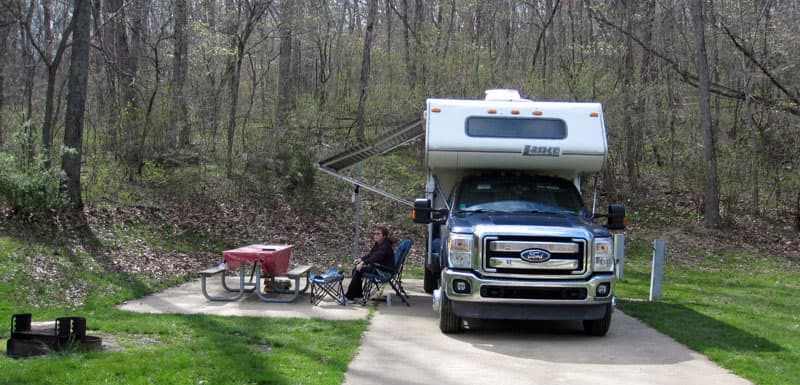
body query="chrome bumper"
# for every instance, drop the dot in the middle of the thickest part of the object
(473, 305)
(475, 283)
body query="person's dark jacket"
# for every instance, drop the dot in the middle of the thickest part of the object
(380, 254)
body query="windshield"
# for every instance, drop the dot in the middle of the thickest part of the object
(519, 194)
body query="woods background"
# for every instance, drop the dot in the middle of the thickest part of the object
(701, 98)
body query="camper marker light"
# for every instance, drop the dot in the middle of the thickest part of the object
(436, 109)
(492, 111)
(594, 114)
(537, 113)
(514, 112)
(459, 251)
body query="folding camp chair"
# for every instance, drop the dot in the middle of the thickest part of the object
(327, 284)
(375, 281)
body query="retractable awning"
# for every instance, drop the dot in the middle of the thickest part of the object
(367, 149)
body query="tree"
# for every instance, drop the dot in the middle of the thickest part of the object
(41, 39)
(253, 11)
(285, 96)
(711, 187)
(180, 64)
(372, 6)
(76, 102)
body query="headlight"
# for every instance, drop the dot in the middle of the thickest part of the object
(459, 251)
(603, 256)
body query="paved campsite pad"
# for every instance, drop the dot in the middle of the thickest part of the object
(403, 345)
(188, 299)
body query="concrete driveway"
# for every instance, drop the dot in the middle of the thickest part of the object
(403, 345)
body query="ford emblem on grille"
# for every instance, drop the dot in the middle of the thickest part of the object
(535, 255)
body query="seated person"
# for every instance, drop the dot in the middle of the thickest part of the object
(380, 254)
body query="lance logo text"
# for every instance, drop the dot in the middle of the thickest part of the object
(541, 151)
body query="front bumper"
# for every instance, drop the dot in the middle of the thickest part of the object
(493, 298)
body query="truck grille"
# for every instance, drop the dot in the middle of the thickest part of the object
(565, 256)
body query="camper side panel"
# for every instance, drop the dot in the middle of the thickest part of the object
(515, 135)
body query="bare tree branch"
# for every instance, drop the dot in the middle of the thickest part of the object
(690, 78)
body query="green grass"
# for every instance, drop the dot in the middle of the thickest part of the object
(742, 311)
(155, 349)
(197, 349)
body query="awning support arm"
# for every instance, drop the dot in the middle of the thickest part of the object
(362, 184)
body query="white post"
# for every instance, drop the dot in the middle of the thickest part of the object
(657, 275)
(619, 254)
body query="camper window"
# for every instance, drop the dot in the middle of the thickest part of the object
(528, 128)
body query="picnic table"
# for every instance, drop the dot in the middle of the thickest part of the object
(264, 261)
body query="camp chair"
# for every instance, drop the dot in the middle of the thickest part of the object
(327, 284)
(375, 281)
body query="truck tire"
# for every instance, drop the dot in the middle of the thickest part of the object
(430, 282)
(449, 322)
(599, 327)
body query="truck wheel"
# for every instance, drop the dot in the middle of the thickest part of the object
(449, 322)
(430, 281)
(598, 327)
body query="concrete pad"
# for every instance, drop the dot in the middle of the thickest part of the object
(404, 346)
(188, 299)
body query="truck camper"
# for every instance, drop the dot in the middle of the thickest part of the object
(508, 233)
(509, 236)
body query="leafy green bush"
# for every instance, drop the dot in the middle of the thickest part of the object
(30, 189)
(154, 174)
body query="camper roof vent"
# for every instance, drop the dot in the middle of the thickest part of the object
(503, 95)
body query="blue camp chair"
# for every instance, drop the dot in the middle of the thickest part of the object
(375, 281)
(327, 284)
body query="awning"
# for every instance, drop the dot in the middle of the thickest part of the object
(367, 149)
(381, 145)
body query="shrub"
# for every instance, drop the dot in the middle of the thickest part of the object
(30, 189)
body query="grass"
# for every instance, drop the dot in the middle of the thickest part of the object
(155, 349)
(198, 349)
(742, 311)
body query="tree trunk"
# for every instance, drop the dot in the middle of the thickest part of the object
(76, 102)
(125, 55)
(179, 129)
(633, 138)
(284, 103)
(52, 71)
(711, 187)
(5, 31)
(254, 12)
(234, 89)
(372, 6)
(752, 132)
(28, 82)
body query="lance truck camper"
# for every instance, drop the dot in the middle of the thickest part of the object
(508, 235)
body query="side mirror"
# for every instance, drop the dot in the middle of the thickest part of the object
(616, 217)
(422, 211)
